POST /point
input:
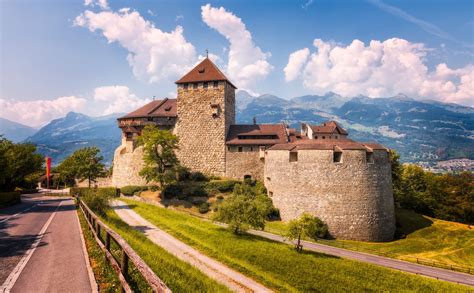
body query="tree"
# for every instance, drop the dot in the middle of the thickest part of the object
(66, 171)
(306, 226)
(160, 161)
(86, 164)
(20, 164)
(247, 207)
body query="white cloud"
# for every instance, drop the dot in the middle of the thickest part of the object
(247, 62)
(101, 3)
(117, 99)
(295, 63)
(39, 112)
(154, 55)
(380, 69)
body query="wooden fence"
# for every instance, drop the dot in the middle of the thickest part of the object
(127, 253)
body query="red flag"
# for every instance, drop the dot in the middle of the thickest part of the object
(48, 167)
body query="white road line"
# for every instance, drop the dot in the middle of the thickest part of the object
(18, 213)
(10, 281)
(92, 279)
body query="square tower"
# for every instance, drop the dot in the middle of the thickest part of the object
(205, 110)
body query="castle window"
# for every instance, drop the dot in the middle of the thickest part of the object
(336, 136)
(270, 193)
(269, 179)
(315, 137)
(369, 157)
(240, 149)
(293, 156)
(337, 157)
(195, 86)
(324, 137)
(129, 134)
(216, 84)
(205, 85)
(330, 137)
(185, 86)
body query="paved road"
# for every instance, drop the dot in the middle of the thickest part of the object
(41, 247)
(436, 273)
(223, 274)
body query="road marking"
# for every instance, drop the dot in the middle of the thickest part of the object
(10, 281)
(18, 213)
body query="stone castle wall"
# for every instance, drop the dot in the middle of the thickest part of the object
(353, 197)
(239, 164)
(127, 165)
(201, 133)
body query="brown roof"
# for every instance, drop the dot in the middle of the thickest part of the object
(204, 71)
(257, 134)
(156, 108)
(328, 127)
(310, 144)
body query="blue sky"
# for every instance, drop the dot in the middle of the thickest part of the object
(58, 56)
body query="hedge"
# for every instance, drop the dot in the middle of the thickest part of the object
(223, 186)
(103, 191)
(132, 189)
(9, 198)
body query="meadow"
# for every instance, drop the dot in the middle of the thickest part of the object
(280, 266)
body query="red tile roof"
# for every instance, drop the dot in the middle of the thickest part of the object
(310, 144)
(204, 71)
(156, 108)
(328, 127)
(257, 134)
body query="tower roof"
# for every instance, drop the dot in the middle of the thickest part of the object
(204, 71)
(156, 108)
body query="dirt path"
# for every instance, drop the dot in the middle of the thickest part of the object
(214, 269)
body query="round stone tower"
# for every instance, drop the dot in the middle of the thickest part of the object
(346, 184)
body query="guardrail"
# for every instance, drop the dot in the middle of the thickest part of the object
(127, 253)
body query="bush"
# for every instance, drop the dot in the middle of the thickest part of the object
(81, 191)
(204, 207)
(132, 189)
(154, 188)
(220, 197)
(217, 186)
(274, 214)
(108, 192)
(173, 190)
(99, 204)
(9, 198)
(198, 176)
(183, 174)
(196, 190)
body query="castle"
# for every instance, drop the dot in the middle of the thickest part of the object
(316, 170)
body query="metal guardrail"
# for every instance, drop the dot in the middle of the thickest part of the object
(127, 253)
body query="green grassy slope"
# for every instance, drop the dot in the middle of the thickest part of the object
(278, 265)
(425, 237)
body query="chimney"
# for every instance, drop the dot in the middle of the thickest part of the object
(254, 120)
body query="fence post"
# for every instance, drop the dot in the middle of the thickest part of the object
(107, 240)
(124, 263)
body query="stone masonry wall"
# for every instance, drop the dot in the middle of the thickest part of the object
(127, 165)
(239, 164)
(202, 135)
(353, 197)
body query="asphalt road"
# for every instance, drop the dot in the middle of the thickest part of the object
(432, 272)
(41, 248)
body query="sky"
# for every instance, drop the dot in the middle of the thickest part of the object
(104, 56)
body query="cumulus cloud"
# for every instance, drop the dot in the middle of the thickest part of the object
(247, 63)
(39, 112)
(154, 55)
(117, 99)
(380, 69)
(101, 3)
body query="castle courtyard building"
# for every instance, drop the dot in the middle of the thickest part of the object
(317, 170)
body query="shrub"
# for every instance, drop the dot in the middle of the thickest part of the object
(198, 176)
(154, 188)
(183, 174)
(204, 207)
(173, 190)
(108, 192)
(274, 214)
(81, 191)
(132, 189)
(217, 186)
(195, 190)
(99, 204)
(220, 197)
(9, 198)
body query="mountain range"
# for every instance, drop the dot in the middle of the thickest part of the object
(14, 131)
(421, 131)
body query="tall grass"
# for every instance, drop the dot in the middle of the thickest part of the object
(278, 265)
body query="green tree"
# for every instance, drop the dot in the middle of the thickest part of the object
(86, 164)
(160, 161)
(248, 207)
(306, 226)
(66, 171)
(20, 164)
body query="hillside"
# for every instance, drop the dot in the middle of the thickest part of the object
(61, 137)
(14, 131)
(421, 131)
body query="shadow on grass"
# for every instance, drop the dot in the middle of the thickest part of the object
(409, 222)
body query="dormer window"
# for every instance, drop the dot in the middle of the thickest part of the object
(201, 70)
(205, 85)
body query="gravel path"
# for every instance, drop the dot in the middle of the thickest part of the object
(214, 269)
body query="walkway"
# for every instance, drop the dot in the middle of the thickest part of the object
(41, 247)
(214, 269)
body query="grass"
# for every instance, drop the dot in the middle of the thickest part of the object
(176, 274)
(278, 265)
(104, 274)
(425, 238)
